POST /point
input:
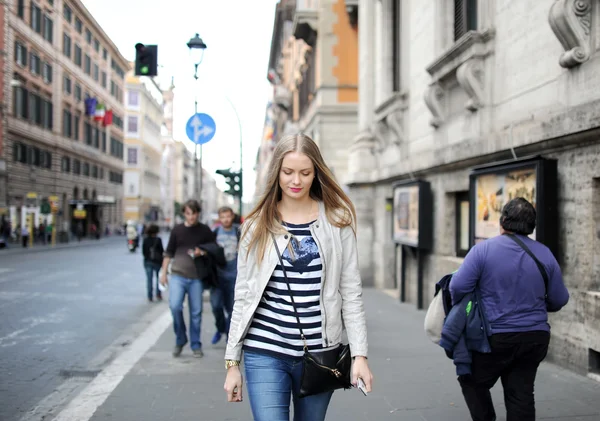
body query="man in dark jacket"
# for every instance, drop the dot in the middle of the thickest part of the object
(183, 250)
(516, 301)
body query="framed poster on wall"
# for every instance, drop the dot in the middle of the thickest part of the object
(412, 214)
(491, 187)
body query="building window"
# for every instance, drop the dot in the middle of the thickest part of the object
(67, 45)
(35, 108)
(20, 96)
(132, 156)
(20, 54)
(47, 73)
(20, 153)
(46, 160)
(77, 92)
(88, 36)
(396, 31)
(67, 13)
(65, 164)
(116, 148)
(76, 166)
(104, 80)
(95, 171)
(133, 99)
(86, 169)
(103, 141)
(67, 85)
(36, 18)
(132, 124)
(118, 121)
(96, 45)
(76, 121)
(48, 114)
(105, 54)
(115, 177)
(96, 72)
(462, 224)
(78, 25)
(67, 123)
(87, 65)
(465, 17)
(96, 137)
(48, 29)
(34, 63)
(21, 9)
(77, 56)
(87, 134)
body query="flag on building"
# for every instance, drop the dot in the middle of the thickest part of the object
(108, 117)
(90, 105)
(100, 112)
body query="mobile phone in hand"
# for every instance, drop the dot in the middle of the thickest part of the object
(361, 386)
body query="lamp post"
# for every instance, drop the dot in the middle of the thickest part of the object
(197, 47)
(241, 165)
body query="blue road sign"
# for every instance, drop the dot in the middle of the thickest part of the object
(200, 128)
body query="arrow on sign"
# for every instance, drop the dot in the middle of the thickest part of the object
(200, 130)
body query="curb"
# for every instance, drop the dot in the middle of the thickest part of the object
(16, 249)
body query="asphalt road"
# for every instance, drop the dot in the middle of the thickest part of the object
(65, 314)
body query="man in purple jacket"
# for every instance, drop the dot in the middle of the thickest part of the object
(516, 302)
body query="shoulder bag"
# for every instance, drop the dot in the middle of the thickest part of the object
(323, 371)
(535, 259)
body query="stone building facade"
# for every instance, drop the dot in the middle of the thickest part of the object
(64, 140)
(448, 89)
(144, 119)
(313, 68)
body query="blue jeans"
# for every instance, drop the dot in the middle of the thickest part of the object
(179, 286)
(151, 269)
(272, 381)
(221, 301)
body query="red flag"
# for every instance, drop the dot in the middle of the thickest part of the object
(108, 117)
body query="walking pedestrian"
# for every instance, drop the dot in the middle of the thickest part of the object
(153, 250)
(227, 234)
(519, 281)
(183, 250)
(298, 286)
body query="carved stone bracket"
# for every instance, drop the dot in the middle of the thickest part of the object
(470, 77)
(571, 22)
(434, 99)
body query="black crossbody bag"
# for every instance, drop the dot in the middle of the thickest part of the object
(323, 371)
(541, 267)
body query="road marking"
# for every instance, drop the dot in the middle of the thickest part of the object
(82, 408)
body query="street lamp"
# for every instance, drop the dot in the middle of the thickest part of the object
(197, 47)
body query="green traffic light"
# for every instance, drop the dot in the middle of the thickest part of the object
(144, 70)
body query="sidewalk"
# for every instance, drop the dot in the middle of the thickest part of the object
(15, 248)
(414, 381)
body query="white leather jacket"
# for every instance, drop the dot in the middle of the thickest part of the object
(341, 287)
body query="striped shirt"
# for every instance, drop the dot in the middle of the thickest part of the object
(274, 328)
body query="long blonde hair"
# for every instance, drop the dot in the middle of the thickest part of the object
(264, 219)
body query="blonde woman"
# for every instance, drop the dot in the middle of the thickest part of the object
(305, 221)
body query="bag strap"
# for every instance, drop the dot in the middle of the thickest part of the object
(287, 282)
(535, 259)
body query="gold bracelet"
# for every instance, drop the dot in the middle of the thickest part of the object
(231, 363)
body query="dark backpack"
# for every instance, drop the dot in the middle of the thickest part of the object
(155, 254)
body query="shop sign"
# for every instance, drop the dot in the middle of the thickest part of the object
(413, 214)
(79, 214)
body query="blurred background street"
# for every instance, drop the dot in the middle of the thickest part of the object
(65, 315)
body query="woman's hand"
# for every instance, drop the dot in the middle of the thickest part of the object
(360, 368)
(233, 384)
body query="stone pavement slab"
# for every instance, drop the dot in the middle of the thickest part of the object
(413, 380)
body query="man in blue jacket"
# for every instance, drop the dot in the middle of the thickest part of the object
(516, 302)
